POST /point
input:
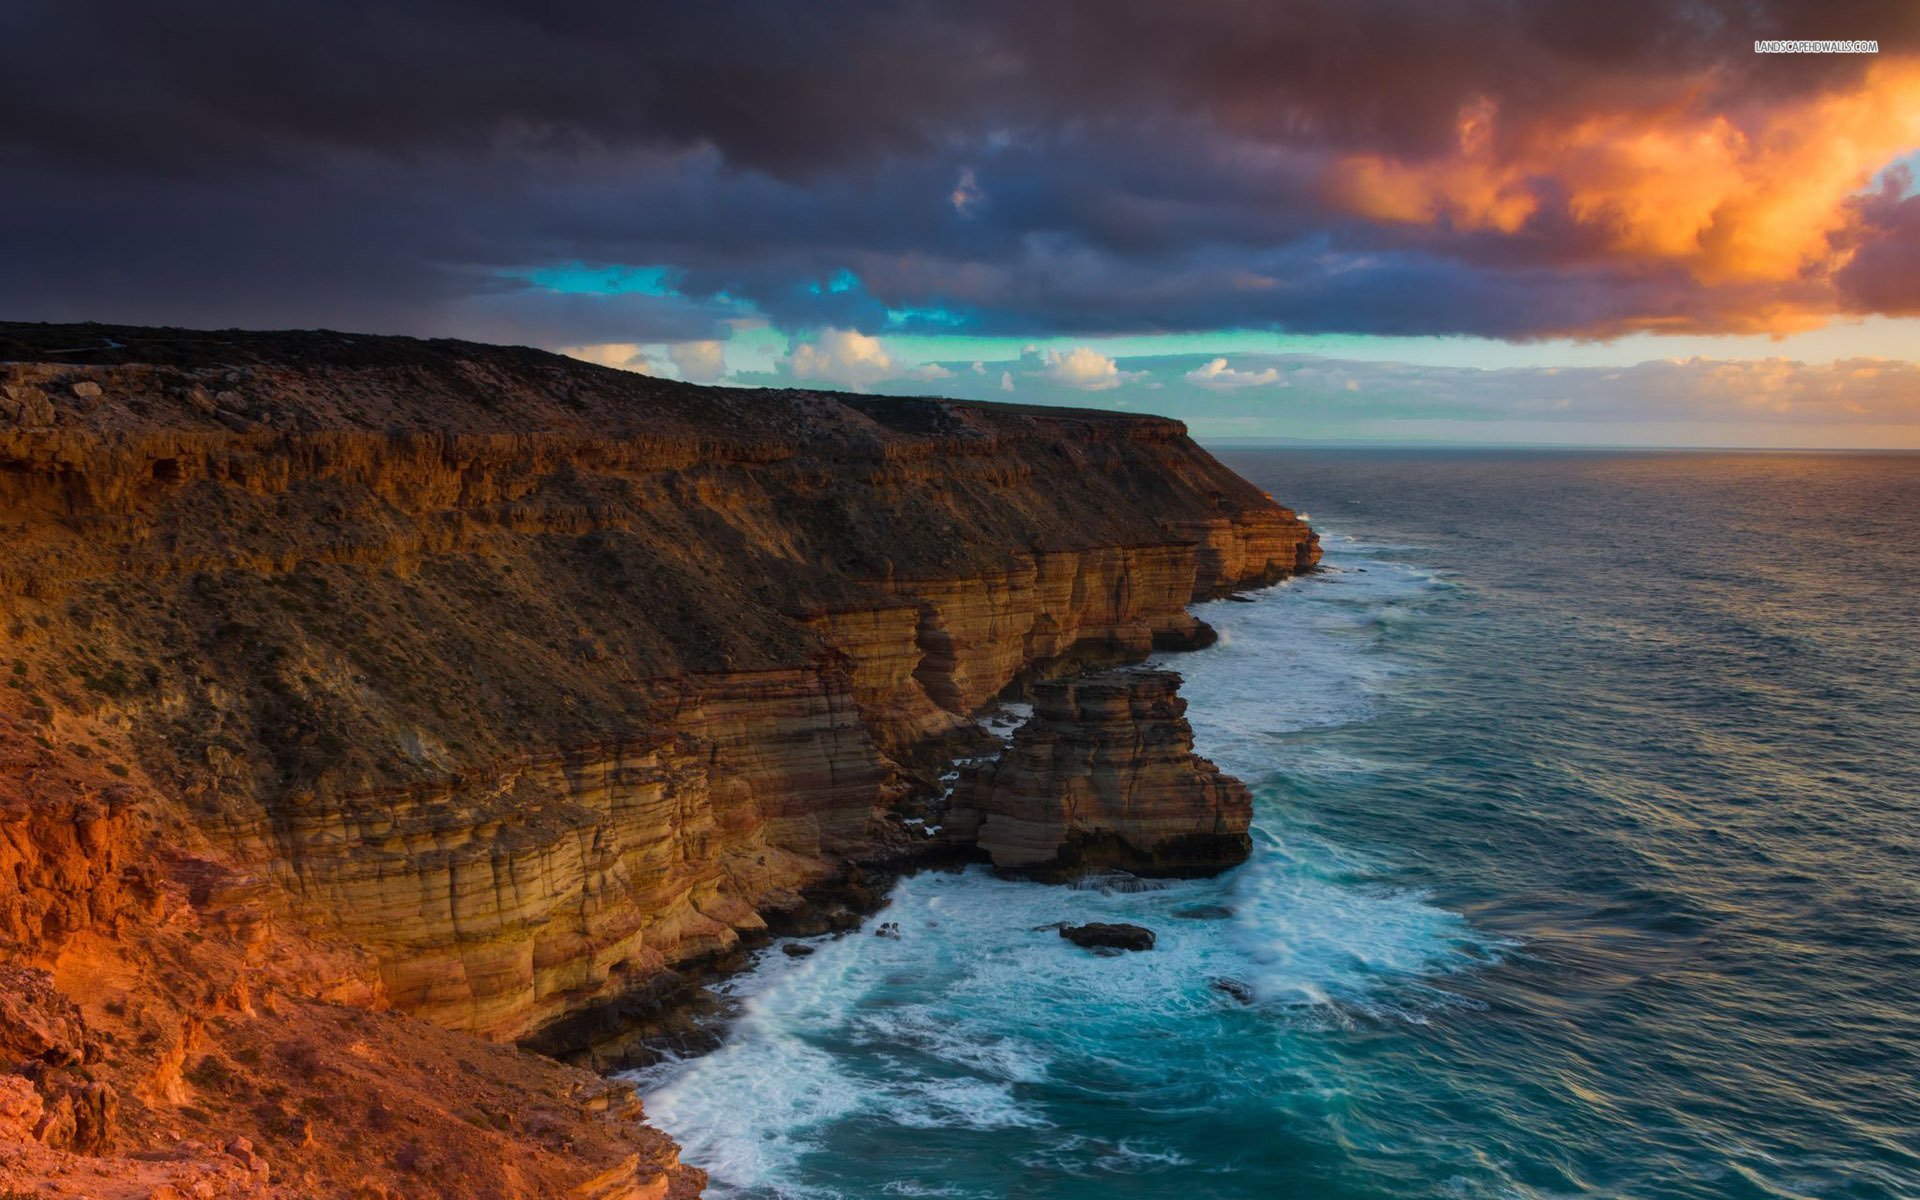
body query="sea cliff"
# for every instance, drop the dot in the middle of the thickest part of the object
(1103, 777)
(372, 702)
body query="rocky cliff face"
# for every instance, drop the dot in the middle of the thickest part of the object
(1104, 777)
(490, 687)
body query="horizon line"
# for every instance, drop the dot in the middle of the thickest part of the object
(1303, 443)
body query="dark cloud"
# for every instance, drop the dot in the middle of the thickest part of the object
(1883, 276)
(1130, 165)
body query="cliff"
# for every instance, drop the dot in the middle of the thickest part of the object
(1103, 776)
(480, 689)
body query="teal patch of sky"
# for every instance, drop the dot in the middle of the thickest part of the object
(1909, 163)
(903, 318)
(1870, 337)
(932, 332)
(839, 283)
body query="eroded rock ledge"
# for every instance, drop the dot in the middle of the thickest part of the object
(492, 687)
(1102, 777)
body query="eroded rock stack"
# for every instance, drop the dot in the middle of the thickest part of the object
(1104, 777)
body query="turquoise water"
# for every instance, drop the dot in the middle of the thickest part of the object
(1587, 864)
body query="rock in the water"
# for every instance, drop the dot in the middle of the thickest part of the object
(888, 929)
(1115, 883)
(1100, 935)
(1104, 777)
(796, 950)
(812, 920)
(1204, 912)
(1238, 989)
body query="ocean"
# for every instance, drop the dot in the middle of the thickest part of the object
(1587, 863)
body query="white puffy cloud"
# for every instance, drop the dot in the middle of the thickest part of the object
(1006, 381)
(851, 359)
(1219, 377)
(702, 362)
(1081, 368)
(626, 356)
(845, 357)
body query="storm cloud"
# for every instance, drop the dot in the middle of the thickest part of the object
(1450, 167)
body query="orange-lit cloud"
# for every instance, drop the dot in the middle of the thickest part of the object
(1735, 197)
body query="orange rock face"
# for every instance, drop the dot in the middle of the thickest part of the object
(492, 687)
(1103, 776)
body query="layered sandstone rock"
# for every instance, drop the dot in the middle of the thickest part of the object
(1103, 776)
(502, 901)
(495, 687)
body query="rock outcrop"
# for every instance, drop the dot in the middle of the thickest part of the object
(483, 690)
(1103, 776)
(1109, 936)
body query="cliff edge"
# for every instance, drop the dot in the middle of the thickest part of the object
(477, 689)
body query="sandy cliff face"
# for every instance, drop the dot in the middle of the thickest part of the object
(490, 687)
(1103, 776)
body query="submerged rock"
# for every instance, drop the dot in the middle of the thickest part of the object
(1116, 883)
(1100, 935)
(1204, 912)
(1104, 778)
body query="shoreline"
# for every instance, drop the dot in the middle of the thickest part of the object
(495, 693)
(877, 1041)
(689, 1017)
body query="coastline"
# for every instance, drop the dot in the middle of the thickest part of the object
(688, 1014)
(976, 1036)
(394, 647)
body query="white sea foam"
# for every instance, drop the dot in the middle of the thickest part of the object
(747, 1111)
(1083, 1156)
(1003, 718)
(980, 1012)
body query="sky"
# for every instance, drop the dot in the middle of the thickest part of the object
(1339, 220)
